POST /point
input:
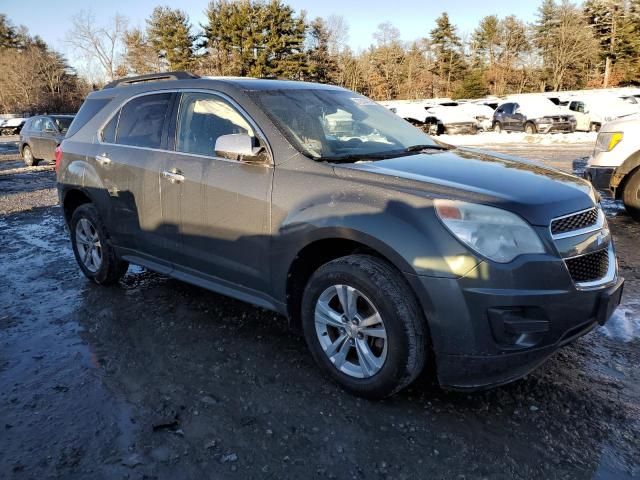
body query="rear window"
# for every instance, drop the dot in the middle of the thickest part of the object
(89, 109)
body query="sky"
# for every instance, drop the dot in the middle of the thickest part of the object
(414, 18)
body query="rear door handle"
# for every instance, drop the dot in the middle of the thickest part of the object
(103, 159)
(174, 176)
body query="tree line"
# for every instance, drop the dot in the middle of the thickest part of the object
(567, 46)
(33, 77)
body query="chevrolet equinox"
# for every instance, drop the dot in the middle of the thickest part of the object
(386, 249)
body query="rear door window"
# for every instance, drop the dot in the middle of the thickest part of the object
(142, 121)
(202, 119)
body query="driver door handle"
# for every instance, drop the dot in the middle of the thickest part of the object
(174, 176)
(103, 159)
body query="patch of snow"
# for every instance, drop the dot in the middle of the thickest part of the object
(624, 325)
(493, 138)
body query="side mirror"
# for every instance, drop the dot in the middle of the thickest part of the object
(238, 146)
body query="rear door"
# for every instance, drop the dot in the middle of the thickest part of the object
(221, 207)
(129, 159)
(48, 139)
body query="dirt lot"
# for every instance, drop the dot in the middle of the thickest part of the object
(154, 378)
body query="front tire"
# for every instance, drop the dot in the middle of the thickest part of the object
(92, 247)
(530, 128)
(497, 127)
(363, 326)
(631, 195)
(28, 158)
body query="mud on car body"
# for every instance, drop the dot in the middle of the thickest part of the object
(380, 244)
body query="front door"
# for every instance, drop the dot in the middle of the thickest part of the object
(221, 207)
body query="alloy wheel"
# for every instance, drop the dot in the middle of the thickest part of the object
(351, 331)
(88, 245)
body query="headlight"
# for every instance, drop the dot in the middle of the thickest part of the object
(492, 232)
(607, 141)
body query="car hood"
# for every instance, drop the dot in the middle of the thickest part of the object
(535, 192)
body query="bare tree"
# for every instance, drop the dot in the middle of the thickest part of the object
(99, 43)
(338, 29)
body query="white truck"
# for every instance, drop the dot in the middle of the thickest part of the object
(593, 110)
(615, 163)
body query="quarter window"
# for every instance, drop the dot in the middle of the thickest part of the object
(202, 119)
(37, 125)
(109, 131)
(142, 121)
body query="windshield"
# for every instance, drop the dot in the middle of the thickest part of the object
(339, 125)
(63, 123)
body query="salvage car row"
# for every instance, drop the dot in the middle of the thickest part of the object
(530, 113)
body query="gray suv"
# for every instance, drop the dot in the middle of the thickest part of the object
(388, 250)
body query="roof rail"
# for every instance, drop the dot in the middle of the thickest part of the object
(151, 77)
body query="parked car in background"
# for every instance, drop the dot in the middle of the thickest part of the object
(41, 135)
(12, 126)
(481, 112)
(387, 249)
(452, 120)
(592, 111)
(615, 163)
(532, 115)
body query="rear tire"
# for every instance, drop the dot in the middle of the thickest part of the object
(92, 247)
(530, 128)
(631, 195)
(384, 365)
(28, 158)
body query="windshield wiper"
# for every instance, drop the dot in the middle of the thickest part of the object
(419, 148)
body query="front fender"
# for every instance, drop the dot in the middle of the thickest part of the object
(405, 231)
(619, 174)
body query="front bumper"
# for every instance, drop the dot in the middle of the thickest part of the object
(498, 323)
(600, 177)
(556, 127)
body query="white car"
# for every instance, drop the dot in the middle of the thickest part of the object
(592, 111)
(482, 113)
(615, 163)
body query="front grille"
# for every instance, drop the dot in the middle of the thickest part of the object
(578, 221)
(589, 267)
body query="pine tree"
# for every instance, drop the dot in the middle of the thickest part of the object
(251, 37)
(449, 64)
(322, 65)
(169, 33)
(140, 57)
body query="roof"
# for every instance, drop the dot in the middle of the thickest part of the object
(186, 79)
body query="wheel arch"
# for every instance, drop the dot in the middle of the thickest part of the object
(72, 198)
(329, 246)
(624, 172)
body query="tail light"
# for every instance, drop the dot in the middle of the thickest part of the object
(58, 153)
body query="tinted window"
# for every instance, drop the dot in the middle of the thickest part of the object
(202, 119)
(109, 131)
(142, 121)
(88, 110)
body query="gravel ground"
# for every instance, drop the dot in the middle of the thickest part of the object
(154, 378)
